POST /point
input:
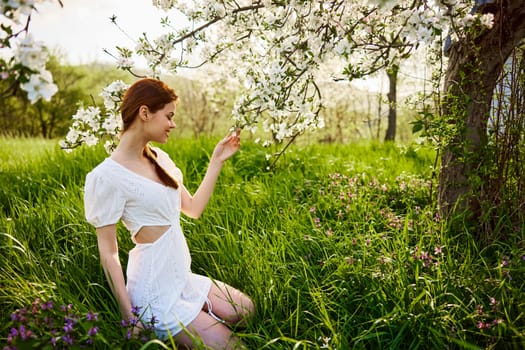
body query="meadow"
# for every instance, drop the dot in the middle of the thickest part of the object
(340, 246)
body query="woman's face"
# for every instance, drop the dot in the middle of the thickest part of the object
(161, 122)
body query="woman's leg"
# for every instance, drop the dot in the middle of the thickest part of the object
(214, 334)
(229, 304)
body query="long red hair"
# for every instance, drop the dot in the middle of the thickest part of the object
(154, 94)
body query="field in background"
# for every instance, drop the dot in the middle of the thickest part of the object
(341, 247)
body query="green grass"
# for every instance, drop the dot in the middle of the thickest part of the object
(338, 246)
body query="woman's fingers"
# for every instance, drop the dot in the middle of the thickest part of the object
(232, 137)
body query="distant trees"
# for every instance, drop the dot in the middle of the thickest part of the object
(51, 119)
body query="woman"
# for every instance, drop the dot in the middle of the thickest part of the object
(141, 186)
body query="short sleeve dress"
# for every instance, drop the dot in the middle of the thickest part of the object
(159, 279)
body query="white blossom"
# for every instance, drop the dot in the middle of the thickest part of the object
(90, 139)
(109, 146)
(487, 20)
(112, 94)
(163, 4)
(112, 124)
(31, 54)
(40, 86)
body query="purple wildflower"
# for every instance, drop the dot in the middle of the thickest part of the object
(133, 321)
(22, 330)
(68, 339)
(68, 326)
(480, 309)
(135, 310)
(93, 331)
(46, 306)
(91, 316)
(13, 332)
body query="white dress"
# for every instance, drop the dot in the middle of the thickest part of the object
(159, 277)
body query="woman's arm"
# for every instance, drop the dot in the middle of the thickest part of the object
(193, 206)
(108, 249)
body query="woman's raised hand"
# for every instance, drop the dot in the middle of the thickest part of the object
(227, 147)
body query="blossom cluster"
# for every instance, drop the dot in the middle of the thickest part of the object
(44, 325)
(426, 258)
(91, 124)
(484, 316)
(41, 323)
(23, 59)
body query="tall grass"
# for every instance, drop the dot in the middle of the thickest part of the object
(340, 247)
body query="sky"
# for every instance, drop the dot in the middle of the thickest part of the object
(82, 28)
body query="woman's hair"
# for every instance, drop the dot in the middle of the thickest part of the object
(153, 94)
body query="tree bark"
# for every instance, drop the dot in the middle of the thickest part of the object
(392, 103)
(474, 67)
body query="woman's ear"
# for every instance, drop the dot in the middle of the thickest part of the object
(144, 113)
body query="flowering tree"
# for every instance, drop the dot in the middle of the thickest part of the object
(275, 51)
(22, 59)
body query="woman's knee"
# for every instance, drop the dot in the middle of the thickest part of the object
(204, 330)
(231, 304)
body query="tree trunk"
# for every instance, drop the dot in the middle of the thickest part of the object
(41, 118)
(472, 73)
(392, 103)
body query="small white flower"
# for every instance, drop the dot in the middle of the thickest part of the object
(31, 54)
(113, 93)
(125, 63)
(90, 139)
(72, 136)
(468, 20)
(487, 20)
(109, 146)
(40, 86)
(163, 4)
